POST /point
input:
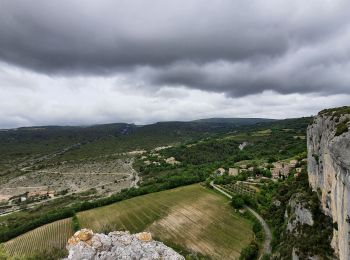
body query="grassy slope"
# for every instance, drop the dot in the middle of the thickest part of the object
(191, 218)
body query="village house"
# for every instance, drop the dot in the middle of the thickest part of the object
(137, 152)
(279, 169)
(40, 193)
(232, 171)
(293, 163)
(171, 160)
(157, 149)
(220, 171)
(276, 172)
(243, 166)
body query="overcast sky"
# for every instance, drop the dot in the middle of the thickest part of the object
(75, 62)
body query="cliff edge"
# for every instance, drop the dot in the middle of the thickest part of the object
(328, 145)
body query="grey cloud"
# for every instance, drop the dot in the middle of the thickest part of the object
(233, 47)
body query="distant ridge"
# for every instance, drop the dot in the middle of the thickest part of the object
(237, 121)
(215, 120)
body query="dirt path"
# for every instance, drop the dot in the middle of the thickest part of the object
(134, 175)
(268, 234)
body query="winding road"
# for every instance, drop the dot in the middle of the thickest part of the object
(268, 234)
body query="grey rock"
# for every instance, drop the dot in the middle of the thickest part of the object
(101, 242)
(82, 251)
(329, 175)
(121, 245)
(300, 213)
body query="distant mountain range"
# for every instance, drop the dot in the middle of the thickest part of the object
(218, 120)
(124, 134)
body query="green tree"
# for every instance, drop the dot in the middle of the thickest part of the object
(237, 201)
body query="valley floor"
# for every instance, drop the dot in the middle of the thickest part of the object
(190, 219)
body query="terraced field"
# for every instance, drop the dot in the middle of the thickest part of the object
(239, 188)
(190, 218)
(45, 238)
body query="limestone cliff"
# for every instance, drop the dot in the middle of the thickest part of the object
(299, 213)
(328, 144)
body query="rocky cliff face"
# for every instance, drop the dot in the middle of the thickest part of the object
(85, 245)
(328, 145)
(299, 214)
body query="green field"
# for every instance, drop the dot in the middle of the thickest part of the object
(45, 238)
(190, 218)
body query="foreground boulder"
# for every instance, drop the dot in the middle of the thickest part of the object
(84, 244)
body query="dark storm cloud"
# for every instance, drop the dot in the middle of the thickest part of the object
(234, 47)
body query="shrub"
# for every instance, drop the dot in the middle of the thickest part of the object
(250, 252)
(342, 128)
(75, 223)
(257, 227)
(237, 201)
(266, 257)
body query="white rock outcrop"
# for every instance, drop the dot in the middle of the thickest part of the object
(300, 213)
(85, 245)
(329, 175)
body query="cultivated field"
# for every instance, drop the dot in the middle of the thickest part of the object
(45, 238)
(191, 217)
